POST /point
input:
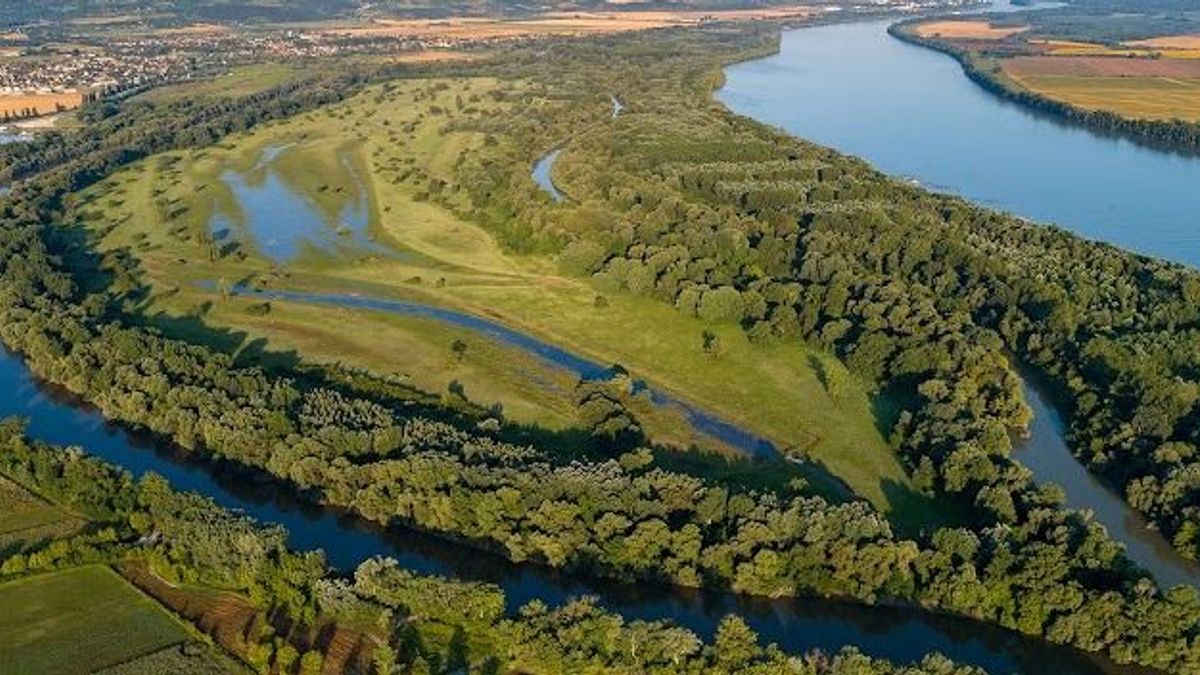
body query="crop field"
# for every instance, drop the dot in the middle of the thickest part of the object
(360, 154)
(1158, 89)
(967, 30)
(19, 105)
(27, 519)
(79, 621)
(558, 23)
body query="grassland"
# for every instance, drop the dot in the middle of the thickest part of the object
(1150, 98)
(26, 519)
(79, 621)
(368, 148)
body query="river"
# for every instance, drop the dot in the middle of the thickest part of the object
(912, 113)
(802, 624)
(900, 634)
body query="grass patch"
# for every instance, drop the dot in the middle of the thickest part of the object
(26, 519)
(79, 621)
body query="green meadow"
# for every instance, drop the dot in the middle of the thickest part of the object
(379, 148)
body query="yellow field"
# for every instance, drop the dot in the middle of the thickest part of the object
(559, 23)
(967, 30)
(18, 105)
(1074, 48)
(1151, 98)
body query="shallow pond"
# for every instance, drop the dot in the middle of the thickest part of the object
(281, 223)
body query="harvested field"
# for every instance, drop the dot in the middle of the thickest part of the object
(1150, 98)
(967, 30)
(226, 617)
(1186, 42)
(1074, 48)
(431, 55)
(1022, 67)
(561, 23)
(19, 105)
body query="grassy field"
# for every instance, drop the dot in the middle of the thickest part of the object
(367, 148)
(240, 81)
(79, 621)
(1152, 98)
(26, 519)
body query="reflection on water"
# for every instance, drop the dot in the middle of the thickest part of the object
(281, 223)
(541, 174)
(912, 112)
(1045, 452)
(797, 625)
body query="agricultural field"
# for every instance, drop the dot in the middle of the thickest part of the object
(967, 30)
(80, 620)
(337, 201)
(555, 23)
(30, 105)
(1148, 79)
(1155, 89)
(26, 519)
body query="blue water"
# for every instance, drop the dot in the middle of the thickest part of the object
(913, 113)
(282, 223)
(583, 368)
(541, 174)
(903, 635)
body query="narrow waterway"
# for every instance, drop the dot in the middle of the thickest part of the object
(541, 174)
(545, 164)
(1046, 453)
(899, 634)
(702, 421)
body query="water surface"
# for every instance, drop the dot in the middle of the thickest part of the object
(281, 222)
(899, 634)
(579, 366)
(913, 113)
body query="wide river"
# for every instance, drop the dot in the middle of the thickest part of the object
(911, 112)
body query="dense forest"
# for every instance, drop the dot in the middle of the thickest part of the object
(415, 624)
(922, 294)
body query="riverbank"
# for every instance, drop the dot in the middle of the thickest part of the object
(347, 540)
(1168, 136)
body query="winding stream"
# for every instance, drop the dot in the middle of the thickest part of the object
(581, 367)
(545, 164)
(802, 624)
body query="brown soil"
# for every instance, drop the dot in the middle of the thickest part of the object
(967, 30)
(1100, 66)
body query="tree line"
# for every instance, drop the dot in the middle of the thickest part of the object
(419, 624)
